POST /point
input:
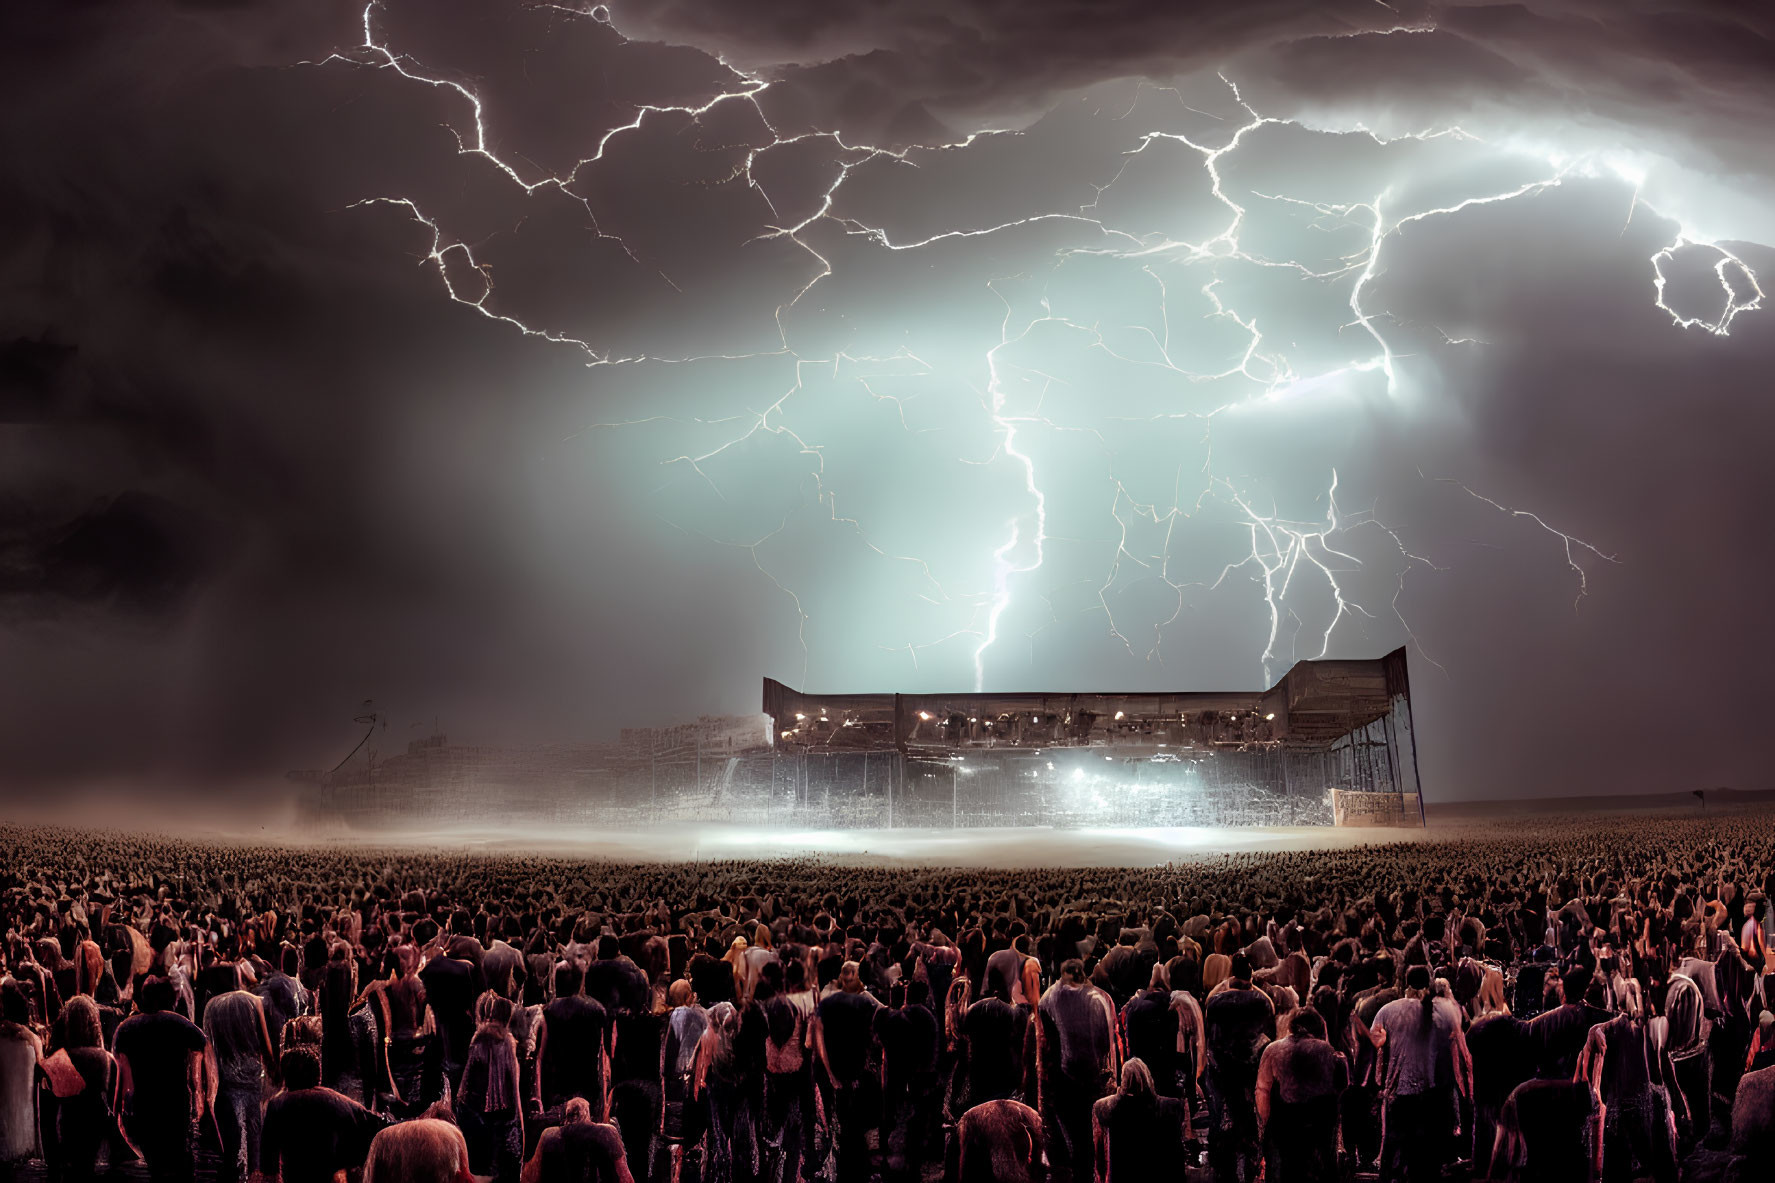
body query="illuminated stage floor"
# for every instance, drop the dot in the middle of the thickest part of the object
(931, 847)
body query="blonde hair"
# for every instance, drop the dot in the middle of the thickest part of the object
(1490, 999)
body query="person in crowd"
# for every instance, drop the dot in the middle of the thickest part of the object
(161, 1080)
(614, 981)
(1425, 1070)
(789, 1111)
(453, 983)
(311, 1133)
(991, 1036)
(488, 1108)
(1137, 1133)
(573, 1045)
(1152, 1033)
(1685, 1029)
(338, 991)
(685, 1025)
(281, 990)
(401, 1011)
(1238, 1022)
(724, 1077)
(579, 1150)
(999, 1141)
(82, 1082)
(844, 1042)
(1559, 1034)
(1300, 1079)
(636, 1093)
(1633, 1084)
(906, 1032)
(1078, 1052)
(1503, 1056)
(1550, 1131)
(20, 1051)
(427, 1150)
(240, 1045)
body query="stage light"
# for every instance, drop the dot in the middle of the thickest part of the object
(799, 717)
(925, 715)
(1119, 715)
(1270, 717)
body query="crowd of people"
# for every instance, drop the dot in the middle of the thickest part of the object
(1578, 1001)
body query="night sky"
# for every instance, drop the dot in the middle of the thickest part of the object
(535, 371)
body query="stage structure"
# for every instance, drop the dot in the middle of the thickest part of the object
(1331, 743)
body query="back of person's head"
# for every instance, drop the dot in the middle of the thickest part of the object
(82, 1027)
(918, 992)
(1239, 966)
(1307, 1023)
(897, 994)
(14, 1008)
(300, 1067)
(1073, 971)
(609, 948)
(578, 1109)
(157, 994)
(302, 1031)
(493, 1009)
(680, 993)
(1576, 982)
(795, 976)
(568, 979)
(1160, 979)
(1137, 1079)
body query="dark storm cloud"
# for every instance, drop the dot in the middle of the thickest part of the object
(1703, 69)
(256, 466)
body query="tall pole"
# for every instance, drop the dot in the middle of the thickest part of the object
(954, 797)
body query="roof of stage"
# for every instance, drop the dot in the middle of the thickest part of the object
(1314, 704)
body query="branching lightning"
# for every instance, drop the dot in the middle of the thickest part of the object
(1285, 554)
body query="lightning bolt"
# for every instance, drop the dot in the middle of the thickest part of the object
(1284, 553)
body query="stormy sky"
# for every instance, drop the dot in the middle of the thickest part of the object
(536, 371)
